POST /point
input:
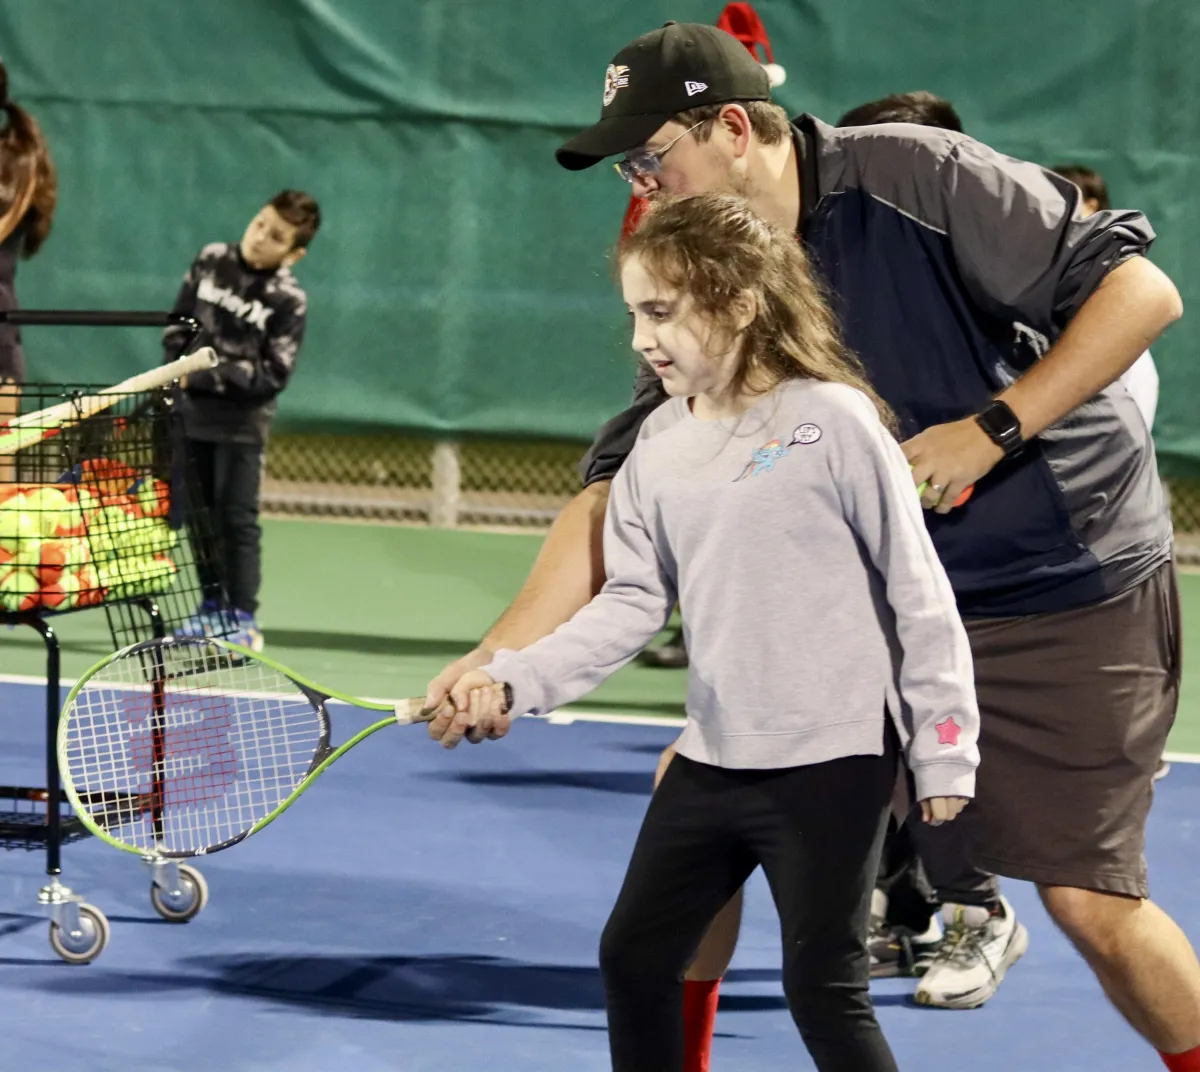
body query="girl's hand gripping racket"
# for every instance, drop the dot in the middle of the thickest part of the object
(181, 747)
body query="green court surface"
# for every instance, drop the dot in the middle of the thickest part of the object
(376, 610)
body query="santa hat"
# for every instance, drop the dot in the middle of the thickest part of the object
(742, 21)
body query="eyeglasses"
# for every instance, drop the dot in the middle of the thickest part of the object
(645, 162)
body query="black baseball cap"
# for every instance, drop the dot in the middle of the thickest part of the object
(667, 71)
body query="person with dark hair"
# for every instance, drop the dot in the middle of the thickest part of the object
(1091, 184)
(252, 312)
(933, 248)
(28, 198)
(920, 107)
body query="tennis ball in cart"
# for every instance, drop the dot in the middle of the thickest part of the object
(61, 556)
(18, 524)
(46, 503)
(62, 594)
(19, 590)
(87, 587)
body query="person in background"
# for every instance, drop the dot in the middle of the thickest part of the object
(28, 198)
(252, 312)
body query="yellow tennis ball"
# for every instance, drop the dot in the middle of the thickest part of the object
(87, 587)
(19, 590)
(71, 518)
(88, 502)
(46, 503)
(17, 523)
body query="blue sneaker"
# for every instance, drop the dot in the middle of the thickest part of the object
(246, 631)
(205, 622)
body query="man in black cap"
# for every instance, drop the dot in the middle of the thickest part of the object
(993, 317)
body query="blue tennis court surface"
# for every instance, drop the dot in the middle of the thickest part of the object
(420, 910)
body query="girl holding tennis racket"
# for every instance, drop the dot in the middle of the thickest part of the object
(769, 497)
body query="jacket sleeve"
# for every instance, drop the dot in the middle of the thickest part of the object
(936, 675)
(632, 607)
(175, 337)
(1020, 245)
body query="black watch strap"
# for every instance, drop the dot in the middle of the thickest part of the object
(1002, 427)
(508, 698)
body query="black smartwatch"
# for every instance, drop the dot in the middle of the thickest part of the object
(1002, 428)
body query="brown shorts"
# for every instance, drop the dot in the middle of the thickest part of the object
(1075, 708)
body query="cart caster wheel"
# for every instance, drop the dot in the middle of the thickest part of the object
(178, 906)
(86, 944)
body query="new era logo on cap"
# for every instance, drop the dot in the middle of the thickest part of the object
(695, 87)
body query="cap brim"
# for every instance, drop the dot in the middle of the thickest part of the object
(611, 136)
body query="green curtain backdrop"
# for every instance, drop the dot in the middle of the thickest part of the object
(460, 280)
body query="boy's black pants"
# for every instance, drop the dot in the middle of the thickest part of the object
(229, 480)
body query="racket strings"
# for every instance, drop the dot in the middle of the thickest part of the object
(181, 748)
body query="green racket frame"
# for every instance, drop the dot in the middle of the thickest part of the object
(405, 712)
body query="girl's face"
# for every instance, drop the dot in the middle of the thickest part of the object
(672, 337)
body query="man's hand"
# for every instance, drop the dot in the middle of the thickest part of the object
(950, 457)
(938, 810)
(476, 711)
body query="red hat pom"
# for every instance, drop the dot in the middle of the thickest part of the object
(742, 21)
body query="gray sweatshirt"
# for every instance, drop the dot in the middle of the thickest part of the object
(813, 603)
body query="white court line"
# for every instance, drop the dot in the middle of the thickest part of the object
(26, 679)
(567, 716)
(564, 717)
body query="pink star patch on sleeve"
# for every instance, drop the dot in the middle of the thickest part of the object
(948, 731)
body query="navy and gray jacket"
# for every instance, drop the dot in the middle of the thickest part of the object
(953, 268)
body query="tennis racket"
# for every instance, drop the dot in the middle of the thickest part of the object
(24, 431)
(182, 747)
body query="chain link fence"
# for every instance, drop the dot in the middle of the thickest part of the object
(1184, 496)
(501, 483)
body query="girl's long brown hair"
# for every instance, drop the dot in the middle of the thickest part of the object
(28, 180)
(715, 249)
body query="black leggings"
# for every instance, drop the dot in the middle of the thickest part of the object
(817, 832)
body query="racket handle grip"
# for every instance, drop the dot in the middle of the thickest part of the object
(409, 712)
(412, 711)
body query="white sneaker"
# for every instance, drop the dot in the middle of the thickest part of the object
(975, 954)
(899, 951)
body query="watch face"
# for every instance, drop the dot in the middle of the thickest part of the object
(999, 421)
